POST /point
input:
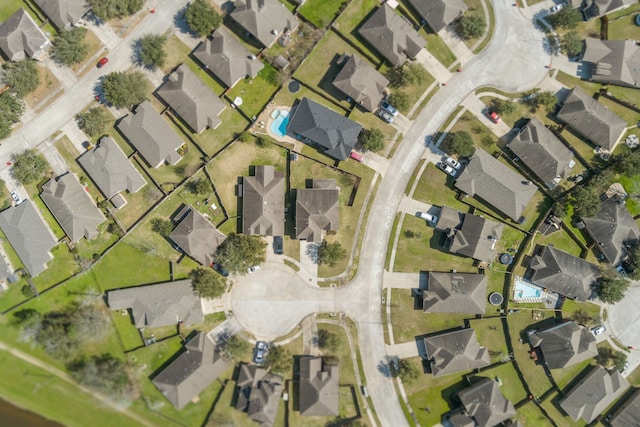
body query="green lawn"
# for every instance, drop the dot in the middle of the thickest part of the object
(303, 170)
(129, 335)
(490, 333)
(413, 91)
(572, 81)
(560, 240)
(567, 375)
(512, 387)
(551, 405)
(178, 53)
(256, 92)
(531, 415)
(320, 12)
(439, 49)
(629, 116)
(632, 186)
(60, 268)
(436, 188)
(622, 25)
(352, 17)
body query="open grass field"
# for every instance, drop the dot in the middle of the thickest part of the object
(320, 12)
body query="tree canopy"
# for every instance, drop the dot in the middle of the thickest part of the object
(331, 253)
(199, 186)
(104, 373)
(162, 226)
(21, 76)
(28, 167)
(279, 360)
(567, 18)
(202, 18)
(585, 202)
(372, 139)
(70, 47)
(572, 43)
(125, 89)
(239, 252)
(460, 143)
(405, 370)
(328, 341)
(109, 9)
(471, 26)
(11, 109)
(206, 283)
(151, 51)
(611, 289)
(633, 261)
(503, 106)
(400, 100)
(407, 75)
(233, 347)
(94, 121)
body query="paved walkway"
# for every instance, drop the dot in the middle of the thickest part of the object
(75, 135)
(310, 336)
(401, 280)
(49, 151)
(412, 206)
(309, 262)
(376, 162)
(403, 351)
(456, 44)
(433, 66)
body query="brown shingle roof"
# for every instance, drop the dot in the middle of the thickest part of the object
(565, 344)
(484, 402)
(317, 210)
(197, 237)
(361, 82)
(318, 388)
(454, 352)
(258, 394)
(263, 202)
(455, 293)
(265, 20)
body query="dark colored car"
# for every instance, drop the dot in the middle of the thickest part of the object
(103, 61)
(217, 267)
(278, 248)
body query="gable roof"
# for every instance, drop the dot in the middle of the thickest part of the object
(591, 119)
(265, 20)
(191, 372)
(73, 207)
(496, 183)
(197, 237)
(259, 393)
(455, 293)
(484, 402)
(564, 273)
(151, 135)
(615, 61)
(564, 344)
(317, 210)
(29, 236)
(263, 202)
(456, 351)
(542, 152)
(334, 132)
(361, 82)
(20, 36)
(191, 99)
(595, 8)
(392, 36)
(439, 13)
(628, 415)
(110, 169)
(476, 238)
(593, 394)
(63, 13)
(163, 304)
(318, 389)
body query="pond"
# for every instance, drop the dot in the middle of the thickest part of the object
(15, 417)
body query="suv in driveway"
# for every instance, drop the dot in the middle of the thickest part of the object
(446, 168)
(389, 108)
(598, 330)
(261, 350)
(385, 116)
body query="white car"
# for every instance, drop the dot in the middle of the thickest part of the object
(452, 162)
(428, 217)
(253, 268)
(448, 169)
(598, 330)
(16, 198)
(557, 8)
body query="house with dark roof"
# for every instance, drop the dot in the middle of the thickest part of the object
(259, 394)
(151, 135)
(191, 99)
(196, 236)
(72, 206)
(265, 20)
(455, 293)
(564, 344)
(318, 392)
(456, 351)
(592, 120)
(361, 82)
(64, 13)
(595, 8)
(613, 61)
(544, 154)
(593, 394)
(199, 365)
(263, 202)
(628, 415)
(317, 210)
(392, 36)
(317, 124)
(439, 13)
(158, 305)
(29, 235)
(497, 184)
(20, 38)
(485, 404)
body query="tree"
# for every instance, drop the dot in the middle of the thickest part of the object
(279, 360)
(560, 208)
(632, 262)
(400, 100)
(28, 167)
(70, 47)
(233, 347)
(11, 109)
(608, 357)
(151, 51)
(372, 139)
(583, 317)
(405, 370)
(585, 202)
(94, 121)
(125, 89)
(471, 26)
(547, 99)
(109, 9)
(206, 283)
(202, 18)
(331, 253)
(567, 18)
(460, 143)
(104, 373)
(328, 340)
(572, 43)
(628, 164)
(407, 75)
(239, 252)
(611, 289)
(163, 227)
(21, 76)
(199, 186)
(503, 106)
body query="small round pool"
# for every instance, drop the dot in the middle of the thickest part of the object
(280, 122)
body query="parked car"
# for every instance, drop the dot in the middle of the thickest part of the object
(557, 7)
(598, 330)
(278, 248)
(428, 217)
(261, 350)
(253, 268)
(453, 162)
(389, 108)
(493, 116)
(220, 269)
(448, 169)
(103, 61)
(625, 367)
(16, 198)
(385, 116)
(621, 271)
(356, 156)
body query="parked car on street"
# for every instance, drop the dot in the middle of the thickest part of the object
(103, 61)
(448, 169)
(389, 108)
(385, 116)
(453, 163)
(278, 248)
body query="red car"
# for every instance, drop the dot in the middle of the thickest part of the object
(102, 62)
(495, 117)
(356, 156)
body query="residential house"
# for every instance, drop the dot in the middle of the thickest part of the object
(591, 119)
(263, 202)
(497, 184)
(192, 371)
(361, 82)
(164, 304)
(224, 56)
(544, 154)
(485, 404)
(151, 135)
(73, 207)
(565, 344)
(111, 171)
(392, 36)
(563, 273)
(64, 13)
(318, 389)
(317, 210)
(456, 351)
(455, 293)
(265, 20)
(593, 394)
(613, 61)
(595, 8)
(20, 38)
(191, 99)
(439, 13)
(317, 124)
(628, 415)
(259, 394)
(29, 235)
(196, 236)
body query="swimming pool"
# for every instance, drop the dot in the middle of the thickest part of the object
(524, 290)
(280, 122)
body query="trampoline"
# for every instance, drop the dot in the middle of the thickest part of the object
(294, 86)
(506, 259)
(496, 298)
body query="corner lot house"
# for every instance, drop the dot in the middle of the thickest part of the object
(265, 20)
(263, 202)
(439, 13)
(20, 38)
(454, 352)
(455, 293)
(318, 390)
(595, 8)
(196, 236)
(317, 210)
(485, 405)
(361, 82)
(63, 13)
(613, 61)
(564, 344)
(259, 393)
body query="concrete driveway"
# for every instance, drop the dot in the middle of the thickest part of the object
(624, 318)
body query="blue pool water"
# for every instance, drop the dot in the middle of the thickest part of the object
(279, 125)
(522, 290)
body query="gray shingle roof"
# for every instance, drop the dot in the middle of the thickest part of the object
(332, 131)
(595, 8)
(484, 402)
(318, 390)
(163, 304)
(439, 13)
(191, 99)
(593, 394)
(361, 82)
(565, 344)
(476, 238)
(496, 183)
(615, 61)
(258, 394)
(455, 293)
(191, 372)
(20, 36)
(454, 352)
(591, 119)
(227, 58)
(151, 135)
(63, 13)
(263, 202)
(317, 210)
(197, 237)
(265, 20)
(73, 207)
(628, 415)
